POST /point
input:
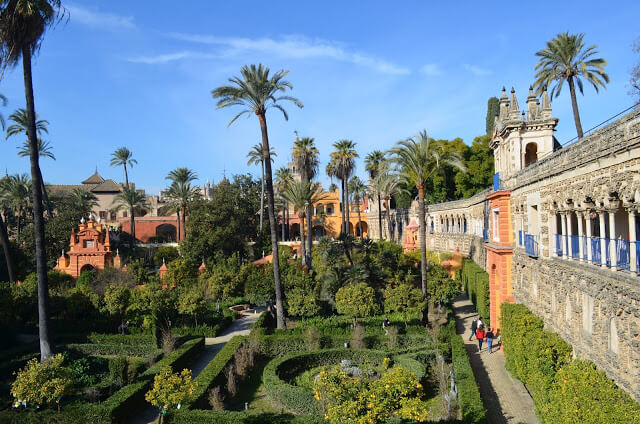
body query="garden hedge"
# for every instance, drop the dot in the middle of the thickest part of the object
(563, 391)
(279, 372)
(212, 374)
(469, 399)
(131, 397)
(234, 417)
(475, 281)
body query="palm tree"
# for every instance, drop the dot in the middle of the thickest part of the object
(20, 124)
(16, 191)
(419, 158)
(4, 235)
(44, 149)
(22, 27)
(131, 199)
(83, 200)
(257, 158)
(284, 178)
(305, 156)
(182, 192)
(257, 92)
(386, 185)
(358, 190)
(124, 157)
(343, 165)
(566, 59)
(301, 194)
(373, 161)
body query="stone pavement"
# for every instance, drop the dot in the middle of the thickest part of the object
(505, 398)
(212, 345)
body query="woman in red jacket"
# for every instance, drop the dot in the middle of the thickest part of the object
(480, 337)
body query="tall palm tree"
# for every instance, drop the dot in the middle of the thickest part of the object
(305, 156)
(386, 185)
(257, 158)
(4, 235)
(358, 190)
(283, 179)
(373, 161)
(83, 200)
(22, 27)
(20, 124)
(124, 157)
(16, 191)
(182, 192)
(257, 92)
(133, 200)
(302, 194)
(419, 158)
(343, 159)
(566, 59)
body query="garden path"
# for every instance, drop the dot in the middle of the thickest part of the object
(505, 398)
(212, 345)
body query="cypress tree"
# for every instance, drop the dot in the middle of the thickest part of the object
(493, 108)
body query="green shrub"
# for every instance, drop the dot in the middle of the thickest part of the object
(583, 394)
(71, 414)
(212, 374)
(471, 406)
(85, 280)
(476, 283)
(563, 391)
(118, 370)
(233, 417)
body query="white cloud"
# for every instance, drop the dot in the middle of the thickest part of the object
(295, 47)
(102, 20)
(431, 69)
(476, 70)
(170, 57)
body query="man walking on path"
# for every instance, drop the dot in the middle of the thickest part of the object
(489, 337)
(480, 335)
(474, 327)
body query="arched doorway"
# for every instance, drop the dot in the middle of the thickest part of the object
(318, 231)
(365, 229)
(87, 268)
(531, 154)
(168, 232)
(351, 229)
(295, 231)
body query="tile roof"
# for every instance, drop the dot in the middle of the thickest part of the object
(108, 186)
(94, 179)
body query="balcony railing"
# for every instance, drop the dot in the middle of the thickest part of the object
(485, 235)
(531, 245)
(592, 249)
(520, 238)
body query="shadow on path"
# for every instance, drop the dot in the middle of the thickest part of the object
(505, 398)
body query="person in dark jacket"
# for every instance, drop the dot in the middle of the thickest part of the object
(489, 336)
(474, 327)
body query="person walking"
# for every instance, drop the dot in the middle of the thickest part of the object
(385, 325)
(480, 322)
(489, 336)
(474, 327)
(480, 335)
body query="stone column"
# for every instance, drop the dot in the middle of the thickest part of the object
(553, 230)
(564, 238)
(570, 233)
(603, 235)
(579, 214)
(612, 236)
(588, 223)
(633, 239)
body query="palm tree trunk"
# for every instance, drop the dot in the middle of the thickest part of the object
(262, 200)
(309, 234)
(388, 214)
(343, 211)
(346, 200)
(45, 196)
(46, 342)
(19, 222)
(272, 222)
(4, 238)
(380, 216)
(178, 226)
(284, 215)
(574, 105)
(184, 221)
(126, 176)
(303, 246)
(422, 241)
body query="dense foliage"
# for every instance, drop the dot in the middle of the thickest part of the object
(564, 391)
(475, 281)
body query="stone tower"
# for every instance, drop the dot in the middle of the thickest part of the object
(520, 139)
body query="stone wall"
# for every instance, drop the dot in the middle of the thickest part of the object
(470, 246)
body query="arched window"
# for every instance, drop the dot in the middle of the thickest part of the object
(613, 336)
(531, 154)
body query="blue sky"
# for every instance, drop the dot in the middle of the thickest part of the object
(139, 74)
